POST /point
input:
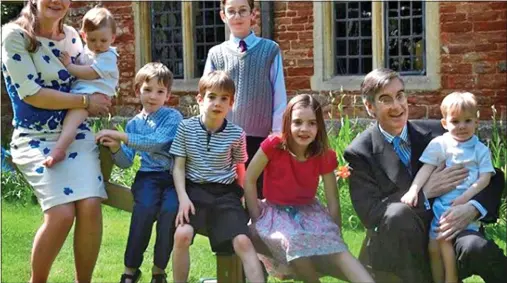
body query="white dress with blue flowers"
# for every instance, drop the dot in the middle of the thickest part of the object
(36, 130)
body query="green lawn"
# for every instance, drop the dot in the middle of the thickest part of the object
(19, 224)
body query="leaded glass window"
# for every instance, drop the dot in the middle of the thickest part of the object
(166, 35)
(209, 31)
(353, 38)
(404, 34)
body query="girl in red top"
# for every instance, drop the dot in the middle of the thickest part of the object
(295, 227)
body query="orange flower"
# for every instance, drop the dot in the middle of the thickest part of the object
(343, 172)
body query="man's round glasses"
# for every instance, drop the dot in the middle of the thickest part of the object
(241, 13)
(388, 101)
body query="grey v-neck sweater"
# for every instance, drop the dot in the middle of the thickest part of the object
(250, 70)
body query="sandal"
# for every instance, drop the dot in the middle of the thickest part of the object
(134, 278)
(159, 278)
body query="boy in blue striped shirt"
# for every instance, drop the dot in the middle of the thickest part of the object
(150, 134)
(210, 155)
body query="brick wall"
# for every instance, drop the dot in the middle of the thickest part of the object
(474, 51)
(473, 55)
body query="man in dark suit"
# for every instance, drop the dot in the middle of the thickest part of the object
(398, 234)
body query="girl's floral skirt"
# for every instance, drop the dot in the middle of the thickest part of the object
(292, 232)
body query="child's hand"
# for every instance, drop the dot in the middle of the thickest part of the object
(410, 198)
(112, 134)
(65, 58)
(114, 145)
(185, 207)
(462, 199)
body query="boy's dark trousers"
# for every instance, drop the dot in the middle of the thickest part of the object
(155, 198)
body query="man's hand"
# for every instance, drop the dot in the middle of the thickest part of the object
(443, 180)
(455, 220)
(185, 208)
(410, 198)
(98, 104)
(65, 58)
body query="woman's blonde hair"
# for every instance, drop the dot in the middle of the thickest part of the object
(28, 21)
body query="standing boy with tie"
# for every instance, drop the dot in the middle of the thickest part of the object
(255, 65)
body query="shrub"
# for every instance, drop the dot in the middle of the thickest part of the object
(15, 188)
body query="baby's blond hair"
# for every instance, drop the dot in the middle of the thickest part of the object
(96, 18)
(458, 102)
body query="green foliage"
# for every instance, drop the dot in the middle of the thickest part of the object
(15, 188)
(498, 146)
(340, 135)
(10, 11)
(125, 177)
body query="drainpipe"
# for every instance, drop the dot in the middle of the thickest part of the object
(267, 20)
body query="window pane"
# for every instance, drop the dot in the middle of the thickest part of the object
(341, 10)
(405, 36)
(352, 37)
(354, 66)
(341, 47)
(208, 33)
(404, 8)
(353, 47)
(367, 64)
(167, 41)
(341, 66)
(366, 47)
(405, 27)
(353, 10)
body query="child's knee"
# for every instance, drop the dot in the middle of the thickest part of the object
(183, 236)
(241, 244)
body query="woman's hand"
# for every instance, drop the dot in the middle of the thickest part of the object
(443, 179)
(65, 58)
(98, 104)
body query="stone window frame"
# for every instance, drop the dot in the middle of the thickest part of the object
(323, 35)
(142, 20)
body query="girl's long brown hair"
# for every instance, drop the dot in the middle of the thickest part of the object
(320, 145)
(28, 21)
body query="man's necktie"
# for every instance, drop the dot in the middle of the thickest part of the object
(403, 156)
(242, 46)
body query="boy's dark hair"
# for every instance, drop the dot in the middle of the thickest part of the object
(320, 145)
(250, 3)
(217, 81)
(154, 70)
(97, 18)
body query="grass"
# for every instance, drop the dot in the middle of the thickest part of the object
(20, 222)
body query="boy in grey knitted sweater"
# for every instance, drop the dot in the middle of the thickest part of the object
(255, 65)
